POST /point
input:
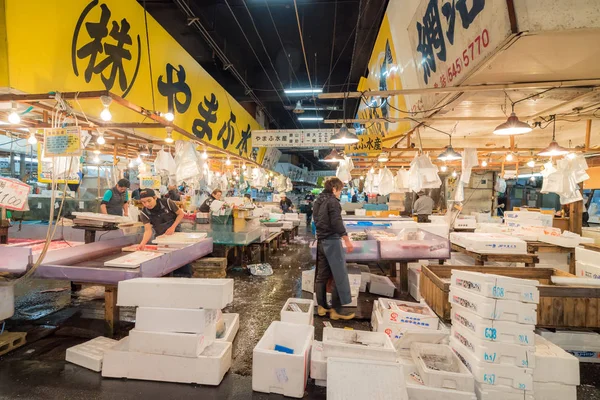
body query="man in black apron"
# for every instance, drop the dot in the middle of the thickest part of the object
(285, 204)
(114, 201)
(331, 259)
(163, 216)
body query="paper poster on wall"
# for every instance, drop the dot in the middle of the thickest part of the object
(150, 182)
(13, 194)
(62, 142)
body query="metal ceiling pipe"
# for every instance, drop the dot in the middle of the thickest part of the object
(228, 65)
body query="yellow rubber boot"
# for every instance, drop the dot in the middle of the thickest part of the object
(321, 311)
(334, 315)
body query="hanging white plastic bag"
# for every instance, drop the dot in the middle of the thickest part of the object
(387, 184)
(187, 161)
(164, 164)
(500, 185)
(402, 181)
(343, 170)
(459, 195)
(289, 185)
(469, 161)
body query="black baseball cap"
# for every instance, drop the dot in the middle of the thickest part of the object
(124, 183)
(147, 193)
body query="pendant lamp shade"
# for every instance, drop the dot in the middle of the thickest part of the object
(332, 157)
(513, 126)
(553, 149)
(344, 136)
(449, 154)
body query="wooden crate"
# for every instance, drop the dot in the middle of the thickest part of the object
(210, 267)
(559, 307)
(11, 340)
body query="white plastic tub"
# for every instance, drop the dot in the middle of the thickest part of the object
(502, 310)
(495, 352)
(405, 312)
(298, 317)
(495, 331)
(208, 369)
(439, 367)
(278, 372)
(493, 374)
(496, 286)
(362, 345)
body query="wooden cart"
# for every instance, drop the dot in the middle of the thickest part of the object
(559, 307)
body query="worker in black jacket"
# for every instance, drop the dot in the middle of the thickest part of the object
(331, 259)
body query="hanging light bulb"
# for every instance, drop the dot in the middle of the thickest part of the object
(96, 151)
(228, 161)
(138, 159)
(484, 163)
(100, 139)
(131, 164)
(105, 114)
(32, 140)
(554, 149)
(333, 156)
(244, 166)
(218, 174)
(96, 159)
(372, 170)
(14, 117)
(362, 178)
(169, 139)
(271, 174)
(531, 163)
(454, 174)
(205, 155)
(571, 156)
(235, 172)
(170, 116)
(344, 136)
(444, 168)
(449, 154)
(383, 157)
(509, 157)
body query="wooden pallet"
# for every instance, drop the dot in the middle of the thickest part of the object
(11, 340)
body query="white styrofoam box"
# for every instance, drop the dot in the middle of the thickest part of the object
(7, 302)
(585, 270)
(232, 325)
(274, 229)
(496, 352)
(493, 374)
(365, 277)
(583, 345)
(318, 363)
(553, 364)
(488, 329)
(213, 294)
(357, 344)
(497, 286)
(360, 212)
(529, 218)
(440, 367)
(404, 358)
(502, 310)
(460, 259)
(168, 343)
(364, 379)
(276, 217)
(403, 335)
(440, 229)
(290, 217)
(91, 353)
(554, 391)
(282, 373)
(465, 223)
(417, 390)
(182, 320)
(590, 257)
(381, 285)
(414, 292)
(487, 392)
(321, 382)
(551, 259)
(565, 240)
(406, 312)
(308, 280)
(301, 317)
(489, 243)
(207, 369)
(414, 273)
(287, 224)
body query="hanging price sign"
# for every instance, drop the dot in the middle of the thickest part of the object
(62, 142)
(13, 194)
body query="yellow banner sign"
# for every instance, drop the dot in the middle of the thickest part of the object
(84, 45)
(367, 144)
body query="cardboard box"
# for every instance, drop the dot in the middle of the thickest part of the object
(278, 372)
(214, 294)
(208, 369)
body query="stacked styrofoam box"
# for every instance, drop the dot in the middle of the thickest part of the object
(493, 318)
(414, 278)
(290, 217)
(489, 243)
(583, 345)
(587, 263)
(279, 372)
(289, 314)
(465, 222)
(440, 229)
(527, 218)
(174, 338)
(556, 375)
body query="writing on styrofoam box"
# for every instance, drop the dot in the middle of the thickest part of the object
(504, 310)
(497, 286)
(586, 270)
(404, 312)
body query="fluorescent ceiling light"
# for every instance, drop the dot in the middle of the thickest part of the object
(303, 91)
(310, 118)
(513, 126)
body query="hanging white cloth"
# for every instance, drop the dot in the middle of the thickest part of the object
(387, 184)
(469, 160)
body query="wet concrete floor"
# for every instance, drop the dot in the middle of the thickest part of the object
(55, 321)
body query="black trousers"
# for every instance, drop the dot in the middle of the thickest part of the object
(423, 218)
(322, 276)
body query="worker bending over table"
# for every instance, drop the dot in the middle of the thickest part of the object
(215, 195)
(423, 207)
(163, 216)
(331, 259)
(114, 201)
